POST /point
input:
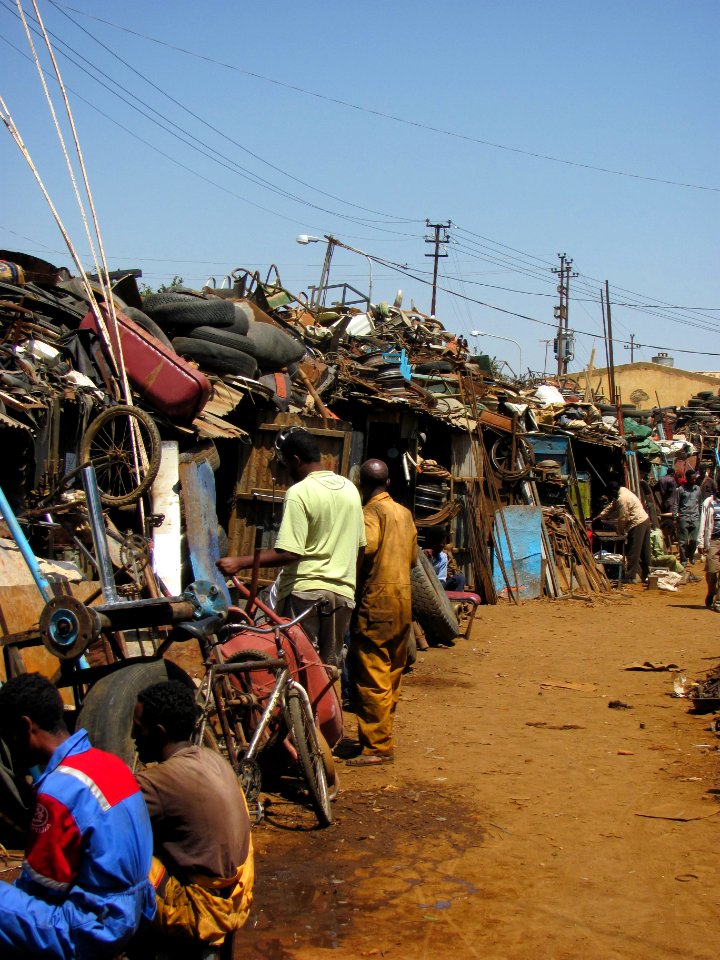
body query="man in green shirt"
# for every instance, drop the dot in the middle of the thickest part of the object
(318, 544)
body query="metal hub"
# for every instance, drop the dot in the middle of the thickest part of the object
(68, 627)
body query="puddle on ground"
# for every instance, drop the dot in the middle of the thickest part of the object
(312, 888)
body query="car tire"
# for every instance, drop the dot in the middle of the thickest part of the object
(225, 338)
(430, 605)
(211, 356)
(192, 313)
(107, 711)
(274, 348)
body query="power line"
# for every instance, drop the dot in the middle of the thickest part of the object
(400, 268)
(185, 137)
(397, 119)
(220, 132)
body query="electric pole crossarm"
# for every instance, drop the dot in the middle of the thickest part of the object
(439, 238)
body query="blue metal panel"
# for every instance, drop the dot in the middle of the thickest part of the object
(549, 447)
(524, 525)
(201, 523)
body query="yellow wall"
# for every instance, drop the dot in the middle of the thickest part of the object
(663, 386)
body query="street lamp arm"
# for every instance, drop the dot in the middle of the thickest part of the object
(497, 336)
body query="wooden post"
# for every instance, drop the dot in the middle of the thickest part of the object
(588, 385)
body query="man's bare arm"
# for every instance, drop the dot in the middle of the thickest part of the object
(268, 558)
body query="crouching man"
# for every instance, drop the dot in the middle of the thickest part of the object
(84, 883)
(203, 868)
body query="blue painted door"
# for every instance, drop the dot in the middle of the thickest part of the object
(525, 534)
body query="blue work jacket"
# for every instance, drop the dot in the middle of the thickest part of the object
(84, 884)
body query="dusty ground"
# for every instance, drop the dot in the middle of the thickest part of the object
(510, 824)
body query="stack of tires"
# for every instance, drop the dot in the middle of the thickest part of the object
(221, 336)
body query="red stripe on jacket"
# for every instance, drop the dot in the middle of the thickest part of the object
(53, 844)
(111, 776)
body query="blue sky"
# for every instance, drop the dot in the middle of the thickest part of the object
(626, 87)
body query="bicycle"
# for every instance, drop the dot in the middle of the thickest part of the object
(267, 699)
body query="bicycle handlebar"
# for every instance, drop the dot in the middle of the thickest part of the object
(279, 627)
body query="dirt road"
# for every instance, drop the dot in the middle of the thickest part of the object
(516, 821)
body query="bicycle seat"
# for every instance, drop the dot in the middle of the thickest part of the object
(196, 629)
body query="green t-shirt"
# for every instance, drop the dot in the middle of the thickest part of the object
(323, 522)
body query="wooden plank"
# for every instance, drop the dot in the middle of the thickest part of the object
(166, 501)
(495, 420)
(20, 609)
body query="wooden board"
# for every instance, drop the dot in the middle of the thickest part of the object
(166, 501)
(20, 609)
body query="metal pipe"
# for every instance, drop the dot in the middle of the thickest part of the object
(97, 527)
(43, 584)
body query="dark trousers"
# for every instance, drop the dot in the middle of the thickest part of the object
(455, 582)
(688, 531)
(637, 553)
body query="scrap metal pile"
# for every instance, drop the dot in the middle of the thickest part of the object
(202, 363)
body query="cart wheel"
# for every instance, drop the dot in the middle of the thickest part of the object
(501, 457)
(124, 469)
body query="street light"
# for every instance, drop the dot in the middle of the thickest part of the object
(496, 336)
(333, 242)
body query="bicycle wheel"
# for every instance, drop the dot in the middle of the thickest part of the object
(259, 684)
(107, 445)
(501, 457)
(304, 735)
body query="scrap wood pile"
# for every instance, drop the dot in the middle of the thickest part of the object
(573, 564)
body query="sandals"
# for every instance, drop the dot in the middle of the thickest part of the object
(370, 759)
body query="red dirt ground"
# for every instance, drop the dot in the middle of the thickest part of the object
(510, 825)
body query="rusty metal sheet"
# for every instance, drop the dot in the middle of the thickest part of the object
(6, 421)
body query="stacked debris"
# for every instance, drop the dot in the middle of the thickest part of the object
(218, 365)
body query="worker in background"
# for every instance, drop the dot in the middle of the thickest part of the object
(668, 491)
(628, 513)
(203, 869)
(667, 561)
(437, 552)
(383, 617)
(709, 544)
(317, 546)
(707, 484)
(84, 883)
(688, 517)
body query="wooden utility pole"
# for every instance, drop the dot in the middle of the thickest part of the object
(439, 239)
(611, 356)
(588, 377)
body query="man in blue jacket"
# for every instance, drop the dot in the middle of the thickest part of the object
(84, 883)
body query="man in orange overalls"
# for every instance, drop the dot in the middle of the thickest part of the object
(383, 615)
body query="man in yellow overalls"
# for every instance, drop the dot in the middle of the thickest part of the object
(203, 868)
(383, 615)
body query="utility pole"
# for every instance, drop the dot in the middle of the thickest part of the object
(607, 320)
(440, 238)
(564, 339)
(631, 347)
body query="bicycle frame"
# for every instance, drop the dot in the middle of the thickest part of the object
(304, 665)
(278, 716)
